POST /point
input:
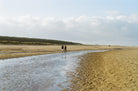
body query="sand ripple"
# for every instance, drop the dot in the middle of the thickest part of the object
(115, 70)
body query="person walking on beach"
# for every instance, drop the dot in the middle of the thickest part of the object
(62, 48)
(65, 48)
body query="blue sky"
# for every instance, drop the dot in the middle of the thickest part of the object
(67, 8)
(87, 21)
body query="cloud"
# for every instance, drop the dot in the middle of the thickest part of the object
(116, 30)
(113, 12)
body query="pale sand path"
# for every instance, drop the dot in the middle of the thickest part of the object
(115, 70)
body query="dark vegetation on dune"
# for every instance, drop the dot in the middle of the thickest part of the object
(33, 41)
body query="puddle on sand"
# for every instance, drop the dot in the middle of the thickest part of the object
(39, 73)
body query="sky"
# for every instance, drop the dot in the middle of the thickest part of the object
(103, 22)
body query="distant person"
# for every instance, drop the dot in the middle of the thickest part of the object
(62, 48)
(65, 48)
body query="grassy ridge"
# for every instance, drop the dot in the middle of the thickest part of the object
(32, 41)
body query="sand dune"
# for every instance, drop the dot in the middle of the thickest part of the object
(115, 70)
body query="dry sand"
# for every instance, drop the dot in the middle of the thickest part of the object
(115, 70)
(28, 50)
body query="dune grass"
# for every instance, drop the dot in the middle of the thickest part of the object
(33, 41)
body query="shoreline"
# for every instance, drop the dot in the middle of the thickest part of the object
(15, 51)
(114, 70)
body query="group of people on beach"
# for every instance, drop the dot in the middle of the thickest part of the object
(64, 48)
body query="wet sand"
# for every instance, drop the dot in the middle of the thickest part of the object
(115, 70)
(12, 51)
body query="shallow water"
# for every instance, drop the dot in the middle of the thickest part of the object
(39, 73)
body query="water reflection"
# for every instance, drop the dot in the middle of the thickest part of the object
(38, 73)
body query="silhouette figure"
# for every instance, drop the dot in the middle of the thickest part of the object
(62, 48)
(65, 48)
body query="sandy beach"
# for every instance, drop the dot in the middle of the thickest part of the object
(11, 51)
(115, 70)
